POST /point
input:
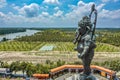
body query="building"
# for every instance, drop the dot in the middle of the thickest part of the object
(4, 72)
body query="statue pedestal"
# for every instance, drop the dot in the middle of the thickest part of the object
(87, 77)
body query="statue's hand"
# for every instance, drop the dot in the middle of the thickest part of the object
(80, 55)
(74, 41)
(75, 48)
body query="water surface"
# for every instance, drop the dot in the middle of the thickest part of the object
(12, 36)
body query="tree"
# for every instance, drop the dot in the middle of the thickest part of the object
(12, 66)
(15, 66)
(38, 68)
(5, 65)
(47, 61)
(30, 69)
(23, 66)
(60, 63)
(1, 64)
(4, 39)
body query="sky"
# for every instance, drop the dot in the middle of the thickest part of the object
(57, 13)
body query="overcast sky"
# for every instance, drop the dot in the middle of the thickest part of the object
(57, 13)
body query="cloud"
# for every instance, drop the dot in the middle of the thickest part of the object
(15, 20)
(3, 3)
(114, 14)
(59, 13)
(44, 8)
(51, 1)
(81, 3)
(105, 0)
(82, 9)
(16, 7)
(116, 0)
(99, 7)
(110, 0)
(72, 7)
(78, 11)
(45, 14)
(2, 15)
(31, 15)
(56, 8)
(31, 10)
(10, 18)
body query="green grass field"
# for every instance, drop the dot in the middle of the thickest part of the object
(18, 46)
(58, 46)
(107, 41)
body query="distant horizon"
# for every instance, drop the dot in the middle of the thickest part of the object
(59, 27)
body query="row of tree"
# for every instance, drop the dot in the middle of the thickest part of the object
(109, 37)
(18, 46)
(11, 30)
(111, 64)
(30, 68)
(49, 36)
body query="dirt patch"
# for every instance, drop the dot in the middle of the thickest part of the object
(41, 57)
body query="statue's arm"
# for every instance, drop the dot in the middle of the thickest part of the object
(77, 35)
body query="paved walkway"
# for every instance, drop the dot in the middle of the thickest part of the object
(75, 77)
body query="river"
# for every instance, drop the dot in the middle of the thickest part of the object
(12, 36)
